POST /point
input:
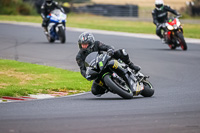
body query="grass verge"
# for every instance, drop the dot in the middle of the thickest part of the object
(106, 23)
(20, 79)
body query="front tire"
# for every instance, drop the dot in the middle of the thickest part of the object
(182, 41)
(114, 87)
(148, 89)
(61, 34)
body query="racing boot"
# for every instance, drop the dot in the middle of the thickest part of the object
(134, 67)
(163, 40)
(45, 30)
(125, 58)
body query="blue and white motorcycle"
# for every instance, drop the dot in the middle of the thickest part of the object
(56, 27)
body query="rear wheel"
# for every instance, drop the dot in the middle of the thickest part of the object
(182, 41)
(61, 34)
(171, 46)
(148, 89)
(50, 39)
(123, 91)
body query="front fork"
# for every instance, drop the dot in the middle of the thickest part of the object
(59, 25)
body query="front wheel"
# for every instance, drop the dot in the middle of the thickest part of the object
(125, 93)
(148, 89)
(182, 41)
(61, 34)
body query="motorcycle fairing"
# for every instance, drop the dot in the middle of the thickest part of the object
(172, 22)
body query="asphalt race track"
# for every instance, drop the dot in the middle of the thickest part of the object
(175, 74)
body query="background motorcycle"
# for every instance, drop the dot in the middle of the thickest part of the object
(56, 26)
(173, 34)
(116, 77)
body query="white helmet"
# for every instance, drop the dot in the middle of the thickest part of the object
(159, 4)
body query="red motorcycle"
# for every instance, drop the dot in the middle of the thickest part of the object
(173, 34)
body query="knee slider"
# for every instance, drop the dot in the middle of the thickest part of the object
(124, 52)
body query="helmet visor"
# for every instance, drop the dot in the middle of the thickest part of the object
(48, 1)
(159, 5)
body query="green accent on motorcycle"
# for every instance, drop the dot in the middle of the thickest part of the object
(147, 82)
(170, 20)
(105, 74)
(130, 90)
(101, 64)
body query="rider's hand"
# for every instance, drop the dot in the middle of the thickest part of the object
(110, 52)
(88, 77)
(137, 68)
(46, 19)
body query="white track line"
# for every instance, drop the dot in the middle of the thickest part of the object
(42, 97)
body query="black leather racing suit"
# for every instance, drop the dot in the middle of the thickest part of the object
(160, 16)
(99, 46)
(45, 10)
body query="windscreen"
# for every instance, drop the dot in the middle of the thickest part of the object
(56, 12)
(90, 60)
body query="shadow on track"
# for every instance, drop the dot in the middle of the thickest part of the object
(54, 43)
(111, 98)
(163, 49)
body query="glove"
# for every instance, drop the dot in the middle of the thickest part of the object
(46, 19)
(137, 68)
(88, 77)
(134, 67)
(110, 52)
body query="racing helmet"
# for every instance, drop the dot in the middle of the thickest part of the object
(159, 4)
(49, 2)
(86, 39)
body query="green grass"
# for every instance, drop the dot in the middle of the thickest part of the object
(105, 23)
(21, 79)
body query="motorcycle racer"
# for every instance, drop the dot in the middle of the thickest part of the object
(87, 45)
(160, 15)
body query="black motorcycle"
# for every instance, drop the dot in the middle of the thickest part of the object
(116, 77)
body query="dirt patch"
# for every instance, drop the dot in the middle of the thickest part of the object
(3, 85)
(21, 76)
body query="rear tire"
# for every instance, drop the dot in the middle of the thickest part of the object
(114, 87)
(61, 34)
(172, 47)
(50, 39)
(148, 89)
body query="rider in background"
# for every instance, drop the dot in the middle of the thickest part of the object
(46, 8)
(160, 16)
(87, 45)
